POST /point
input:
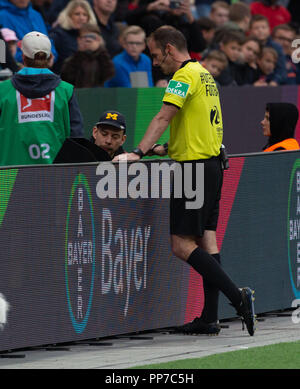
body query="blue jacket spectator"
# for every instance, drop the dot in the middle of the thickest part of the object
(260, 29)
(132, 60)
(280, 73)
(124, 65)
(19, 16)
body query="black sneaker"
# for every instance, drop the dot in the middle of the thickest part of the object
(246, 310)
(198, 326)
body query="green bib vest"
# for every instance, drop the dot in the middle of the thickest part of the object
(32, 131)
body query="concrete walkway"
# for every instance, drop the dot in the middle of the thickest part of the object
(154, 347)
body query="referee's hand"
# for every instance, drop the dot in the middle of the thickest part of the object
(157, 149)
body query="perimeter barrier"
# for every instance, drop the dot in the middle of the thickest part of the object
(75, 266)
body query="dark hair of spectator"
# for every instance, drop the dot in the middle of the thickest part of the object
(233, 36)
(284, 27)
(269, 50)
(168, 34)
(88, 27)
(217, 55)
(253, 39)
(206, 24)
(40, 61)
(258, 18)
(239, 11)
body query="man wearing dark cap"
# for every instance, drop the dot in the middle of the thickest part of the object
(106, 142)
(109, 133)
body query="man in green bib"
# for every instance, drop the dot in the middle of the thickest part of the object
(191, 106)
(38, 110)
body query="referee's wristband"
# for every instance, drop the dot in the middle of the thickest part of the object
(154, 146)
(166, 147)
(138, 152)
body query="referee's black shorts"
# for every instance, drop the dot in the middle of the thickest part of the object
(195, 221)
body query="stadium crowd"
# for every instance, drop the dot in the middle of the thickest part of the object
(99, 43)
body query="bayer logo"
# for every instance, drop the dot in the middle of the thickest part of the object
(293, 228)
(80, 253)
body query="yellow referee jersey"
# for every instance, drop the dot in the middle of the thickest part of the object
(196, 131)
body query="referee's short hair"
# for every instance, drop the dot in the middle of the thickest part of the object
(168, 34)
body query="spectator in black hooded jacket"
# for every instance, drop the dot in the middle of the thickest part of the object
(279, 126)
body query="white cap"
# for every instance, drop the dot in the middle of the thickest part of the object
(34, 42)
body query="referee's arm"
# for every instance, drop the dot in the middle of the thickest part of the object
(156, 128)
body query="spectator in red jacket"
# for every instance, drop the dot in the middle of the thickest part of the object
(275, 13)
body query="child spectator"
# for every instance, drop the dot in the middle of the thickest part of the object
(132, 67)
(266, 64)
(219, 13)
(208, 29)
(251, 50)
(215, 62)
(91, 65)
(276, 14)
(240, 16)
(231, 46)
(260, 29)
(247, 73)
(284, 35)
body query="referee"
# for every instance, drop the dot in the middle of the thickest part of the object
(191, 106)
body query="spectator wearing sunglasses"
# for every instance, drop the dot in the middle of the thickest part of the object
(91, 64)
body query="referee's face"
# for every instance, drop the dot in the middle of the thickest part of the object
(161, 59)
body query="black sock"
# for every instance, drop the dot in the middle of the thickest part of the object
(211, 298)
(212, 272)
